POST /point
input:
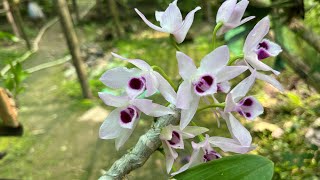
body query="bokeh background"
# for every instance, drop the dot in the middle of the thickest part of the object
(55, 132)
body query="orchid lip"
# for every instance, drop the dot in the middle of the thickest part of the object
(262, 50)
(128, 115)
(137, 83)
(176, 138)
(210, 155)
(203, 84)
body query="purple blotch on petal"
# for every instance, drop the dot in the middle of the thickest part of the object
(247, 102)
(264, 45)
(262, 54)
(136, 83)
(211, 155)
(248, 114)
(175, 138)
(204, 83)
(127, 115)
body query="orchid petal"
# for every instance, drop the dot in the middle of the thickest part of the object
(124, 136)
(192, 131)
(229, 145)
(223, 87)
(256, 34)
(166, 89)
(229, 72)
(151, 109)
(252, 59)
(238, 12)
(215, 60)
(238, 131)
(111, 128)
(140, 86)
(225, 11)
(195, 159)
(115, 101)
(158, 15)
(230, 104)
(118, 77)
(270, 80)
(274, 49)
(171, 19)
(166, 132)
(186, 65)
(171, 155)
(152, 84)
(184, 95)
(243, 87)
(180, 34)
(141, 64)
(187, 114)
(157, 28)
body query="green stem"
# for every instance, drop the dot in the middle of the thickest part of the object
(233, 59)
(220, 105)
(200, 136)
(174, 43)
(161, 71)
(214, 34)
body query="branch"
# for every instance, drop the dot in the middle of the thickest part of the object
(146, 146)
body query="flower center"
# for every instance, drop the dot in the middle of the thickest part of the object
(264, 45)
(210, 155)
(203, 84)
(175, 138)
(127, 115)
(262, 51)
(136, 83)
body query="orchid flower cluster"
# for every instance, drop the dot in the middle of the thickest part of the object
(204, 82)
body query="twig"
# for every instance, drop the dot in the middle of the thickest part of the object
(146, 146)
(49, 64)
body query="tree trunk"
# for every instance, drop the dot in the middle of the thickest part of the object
(116, 18)
(8, 111)
(73, 44)
(306, 34)
(10, 18)
(76, 10)
(14, 9)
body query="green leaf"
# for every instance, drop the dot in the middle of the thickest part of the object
(246, 166)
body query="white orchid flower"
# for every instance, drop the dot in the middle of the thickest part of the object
(136, 81)
(202, 81)
(202, 152)
(172, 138)
(249, 107)
(121, 122)
(230, 14)
(171, 21)
(256, 49)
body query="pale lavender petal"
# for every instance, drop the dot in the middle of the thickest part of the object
(171, 19)
(111, 128)
(187, 114)
(158, 15)
(251, 108)
(215, 60)
(246, 20)
(141, 64)
(223, 87)
(171, 155)
(157, 28)
(238, 131)
(256, 35)
(186, 66)
(238, 12)
(229, 72)
(152, 83)
(135, 87)
(195, 159)
(230, 104)
(205, 85)
(270, 80)
(166, 89)
(166, 132)
(192, 131)
(243, 87)
(253, 60)
(128, 117)
(159, 110)
(181, 32)
(273, 48)
(225, 11)
(229, 145)
(184, 95)
(151, 109)
(115, 101)
(118, 77)
(124, 136)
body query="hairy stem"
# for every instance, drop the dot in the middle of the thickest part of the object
(145, 147)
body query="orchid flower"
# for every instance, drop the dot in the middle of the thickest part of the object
(241, 138)
(172, 138)
(121, 122)
(249, 107)
(256, 49)
(202, 152)
(202, 81)
(136, 81)
(171, 21)
(230, 14)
